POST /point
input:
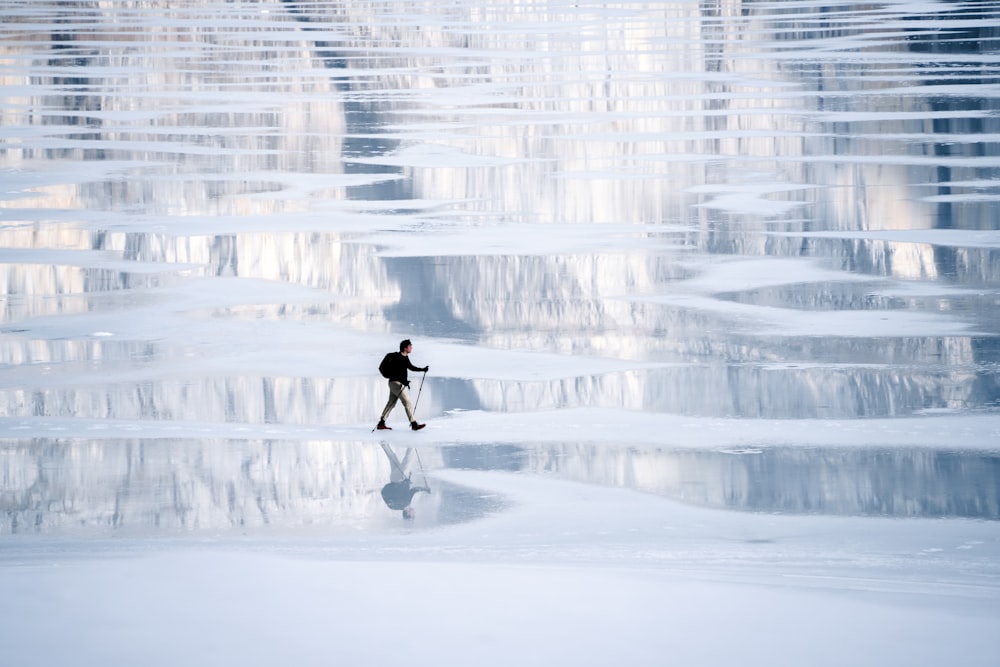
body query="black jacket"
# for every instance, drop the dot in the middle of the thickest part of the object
(395, 365)
(399, 495)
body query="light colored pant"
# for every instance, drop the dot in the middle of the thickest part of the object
(400, 469)
(398, 392)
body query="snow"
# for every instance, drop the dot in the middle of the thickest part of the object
(573, 573)
(708, 293)
(567, 571)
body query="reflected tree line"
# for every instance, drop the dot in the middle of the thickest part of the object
(212, 487)
(891, 483)
(64, 487)
(715, 369)
(712, 368)
(348, 91)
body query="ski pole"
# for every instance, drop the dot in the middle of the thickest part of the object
(422, 471)
(424, 377)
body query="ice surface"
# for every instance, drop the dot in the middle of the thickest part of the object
(709, 292)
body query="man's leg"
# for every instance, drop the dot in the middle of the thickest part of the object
(398, 470)
(407, 404)
(394, 390)
(404, 465)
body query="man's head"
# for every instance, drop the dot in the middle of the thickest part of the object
(409, 514)
(405, 345)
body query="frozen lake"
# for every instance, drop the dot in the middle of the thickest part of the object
(709, 292)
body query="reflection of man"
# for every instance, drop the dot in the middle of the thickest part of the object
(398, 493)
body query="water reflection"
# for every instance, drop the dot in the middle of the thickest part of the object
(93, 488)
(747, 391)
(896, 483)
(154, 153)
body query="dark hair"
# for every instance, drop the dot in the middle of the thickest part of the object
(404, 344)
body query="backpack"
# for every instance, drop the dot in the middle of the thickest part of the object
(385, 366)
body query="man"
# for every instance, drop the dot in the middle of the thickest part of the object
(394, 367)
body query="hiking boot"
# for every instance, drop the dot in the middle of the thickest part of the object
(416, 427)
(382, 427)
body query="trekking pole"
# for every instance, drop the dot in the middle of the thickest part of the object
(422, 471)
(418, 393)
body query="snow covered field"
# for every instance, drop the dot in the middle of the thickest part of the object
(709, 292)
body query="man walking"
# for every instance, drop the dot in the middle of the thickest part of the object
(394, 367)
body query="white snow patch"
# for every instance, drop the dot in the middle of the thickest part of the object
(431, 156)
(961, 238)
(518, 239)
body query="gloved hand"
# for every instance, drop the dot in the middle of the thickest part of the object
(426, 368)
